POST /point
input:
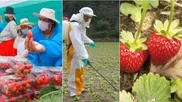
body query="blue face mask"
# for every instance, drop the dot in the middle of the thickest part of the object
(25, 31)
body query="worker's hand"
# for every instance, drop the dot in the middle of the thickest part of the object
(85, 61)
(33, 46)
(92, 44)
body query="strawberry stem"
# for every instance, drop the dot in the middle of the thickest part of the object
(145, 6)
(171, 15)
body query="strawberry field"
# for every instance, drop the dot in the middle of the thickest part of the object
(150, 51)
(104, 57)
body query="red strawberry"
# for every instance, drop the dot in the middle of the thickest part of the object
(21, 75)
(28, 65)
(131, 61)
(26, 71)
(27, 85)
(162, 49)
(29, 34)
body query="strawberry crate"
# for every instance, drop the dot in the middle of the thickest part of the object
(20, 66)
(47, 75)
(4, 63)
(27, 95)
(12, 85)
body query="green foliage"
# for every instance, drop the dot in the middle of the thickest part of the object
(125, 97)
(152, 88)
(152, 3)
(47, 89)
(177, 88)
(52, 96)
(135, 10)
(105, 25)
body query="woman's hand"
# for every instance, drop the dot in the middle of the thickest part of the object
(33, 46)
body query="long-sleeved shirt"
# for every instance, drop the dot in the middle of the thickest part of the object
(9, 32)
(19, 44)
(52, 56)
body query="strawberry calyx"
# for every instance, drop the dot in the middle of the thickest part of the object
(173, 32)
(170, 27)
(128, 39)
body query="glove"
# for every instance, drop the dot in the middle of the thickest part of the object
(92, 44)
(85, 61)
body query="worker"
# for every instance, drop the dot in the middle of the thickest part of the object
(77, 55)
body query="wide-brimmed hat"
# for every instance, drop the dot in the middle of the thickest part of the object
(47, 13)
(26, 22)
(87, 11)
(9, 10)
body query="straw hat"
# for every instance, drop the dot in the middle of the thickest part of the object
(47, 13)
(26, 22)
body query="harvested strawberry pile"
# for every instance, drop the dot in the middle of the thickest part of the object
(20, 81)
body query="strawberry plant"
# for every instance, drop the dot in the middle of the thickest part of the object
(164, 42)
(136, 10)
(133, 51)
(176, 87)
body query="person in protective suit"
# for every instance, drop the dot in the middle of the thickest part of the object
(77, 55)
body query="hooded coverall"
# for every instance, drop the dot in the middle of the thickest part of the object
(75, 53)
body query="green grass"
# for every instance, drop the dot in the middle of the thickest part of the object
(105, 58)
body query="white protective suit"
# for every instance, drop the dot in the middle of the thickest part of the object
(76, 52)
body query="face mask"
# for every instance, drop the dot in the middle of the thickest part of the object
(7, 19)
(87, 24)
(43, 25)
(24, 32)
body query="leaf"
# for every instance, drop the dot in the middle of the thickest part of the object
(53, 96)
(136, 15)
(154, 3)
(126, 8)
(125, 97)
(174, 24)
(176, 30)
(144, 47)
(173, 88)
(142, 39)
(47, 89)
(152, 88)
(166, 23)
(138, 2)
(126, 35)
(177, 99)
(158, 25)
(177, 87)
